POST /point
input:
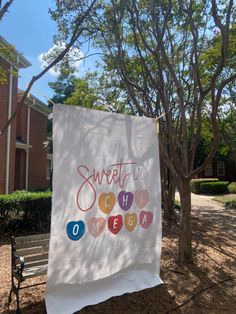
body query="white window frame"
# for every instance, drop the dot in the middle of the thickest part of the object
(220, 168)
(209, 170)
(49, 158)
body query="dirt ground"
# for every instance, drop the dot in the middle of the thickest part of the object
(207, 286)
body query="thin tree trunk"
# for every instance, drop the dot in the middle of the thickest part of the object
(168, 197)
(185, 235)
(171, 199)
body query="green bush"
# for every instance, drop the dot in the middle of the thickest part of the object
(232, 187)
(219, 187)
(26, 210)
(195, 184)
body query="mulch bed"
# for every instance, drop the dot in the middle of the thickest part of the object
(206, 286)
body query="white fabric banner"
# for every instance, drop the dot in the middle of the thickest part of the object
(106, 209)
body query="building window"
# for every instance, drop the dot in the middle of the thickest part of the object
(49, 169)
(220, 168)
(208, 170)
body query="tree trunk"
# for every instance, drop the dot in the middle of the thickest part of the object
(168, 201)
(185, 235)
(168, 194)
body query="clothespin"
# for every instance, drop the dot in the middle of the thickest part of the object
(157, 121)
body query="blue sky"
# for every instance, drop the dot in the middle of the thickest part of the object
(29, 28)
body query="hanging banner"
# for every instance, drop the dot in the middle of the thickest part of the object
(106, 209)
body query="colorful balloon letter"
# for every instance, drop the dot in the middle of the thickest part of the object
(125, 199)
(75, 230)
(141, 198)
(115, 223)
(106, 202)
(96, 226)
(145, 219)
(130, 221)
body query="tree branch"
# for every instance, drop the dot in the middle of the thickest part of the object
(214, 147)
(167, 161)
(75, 35)
(4, 9)
(223, 84)
(224, 29)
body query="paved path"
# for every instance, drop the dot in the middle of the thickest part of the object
(218, 224)
(203, 201)
(214, 215)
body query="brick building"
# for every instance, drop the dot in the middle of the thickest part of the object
(221, 169)
(24, 162)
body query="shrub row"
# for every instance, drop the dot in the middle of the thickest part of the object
(218, 187)
(232, 187)
(195, 184)
(30, 211)
(212, 186)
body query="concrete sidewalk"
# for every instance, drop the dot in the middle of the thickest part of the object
(202, 200)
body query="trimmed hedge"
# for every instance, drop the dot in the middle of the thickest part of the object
(26, 210)
(219, 187)
(232, 187)
(195, 184)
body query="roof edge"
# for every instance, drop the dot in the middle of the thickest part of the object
(21, 61)
(35, 103)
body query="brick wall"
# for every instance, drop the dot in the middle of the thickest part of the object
(3, 118)
(38, 134)
(20, 169)
(230, 171)
(4, 102)
(13, 137)
(37, 154)
(20, 154)
(21, 126)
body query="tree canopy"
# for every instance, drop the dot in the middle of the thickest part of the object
(159, 53)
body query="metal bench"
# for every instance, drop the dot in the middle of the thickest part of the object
(29, 259)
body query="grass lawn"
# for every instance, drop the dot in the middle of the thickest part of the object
(225, 198)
